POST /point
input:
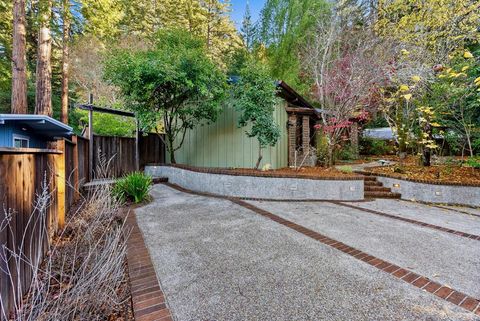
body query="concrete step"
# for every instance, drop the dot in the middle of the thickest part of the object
(372, 183)
(158, 180)
(375, 188)
(382, 195)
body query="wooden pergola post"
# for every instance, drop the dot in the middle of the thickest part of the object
(137, 145)
(90, 137)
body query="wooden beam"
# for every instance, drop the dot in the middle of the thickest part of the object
(300, 110)
(91, 107)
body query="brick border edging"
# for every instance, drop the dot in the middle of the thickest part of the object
(147, 296)
(442, 291)
(416, 180)
(232, 172)
(411, 221)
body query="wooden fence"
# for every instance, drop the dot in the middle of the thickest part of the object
(22, 177)
(64, 170)
(120, 151)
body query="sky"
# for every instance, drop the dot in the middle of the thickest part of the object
(238, 9)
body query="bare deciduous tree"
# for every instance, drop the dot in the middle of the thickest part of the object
(348, 70)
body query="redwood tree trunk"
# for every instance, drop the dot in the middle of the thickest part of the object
(65, 52)
(43, 93)
(19, 60)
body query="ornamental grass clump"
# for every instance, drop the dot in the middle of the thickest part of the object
(78, 272)
(133, 187)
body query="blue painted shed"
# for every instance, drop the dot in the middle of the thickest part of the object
(30, 131)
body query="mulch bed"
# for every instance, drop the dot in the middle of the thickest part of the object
(322, 172)
(434, 173)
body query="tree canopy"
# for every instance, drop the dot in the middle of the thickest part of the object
(174, 82)
(255, 98)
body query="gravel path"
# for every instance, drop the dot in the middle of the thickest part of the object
(219, 261)
(443, 257)
(429, 214)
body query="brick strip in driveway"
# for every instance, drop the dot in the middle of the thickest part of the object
(148, 299)
(408, 220)
(442, 291)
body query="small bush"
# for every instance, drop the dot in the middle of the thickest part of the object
(133, 187)
(345, 169)
(346, 153)
(369, 146)
(473, 162)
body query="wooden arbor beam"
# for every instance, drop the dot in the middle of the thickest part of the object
(91, 108)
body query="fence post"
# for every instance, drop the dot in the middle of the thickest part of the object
(61, 182)
(76, 183)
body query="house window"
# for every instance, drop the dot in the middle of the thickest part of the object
(20, 141)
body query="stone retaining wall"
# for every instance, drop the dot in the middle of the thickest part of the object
(433, 193)
(246, 186)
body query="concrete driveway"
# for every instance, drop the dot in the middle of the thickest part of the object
(219, 260)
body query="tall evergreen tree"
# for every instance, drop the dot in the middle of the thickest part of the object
(43, 93)
(19, 59)
(247, 31)
(65, 62)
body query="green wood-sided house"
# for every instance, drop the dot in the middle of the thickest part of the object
(223, 144)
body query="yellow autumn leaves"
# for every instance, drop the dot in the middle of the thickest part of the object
(404, 89)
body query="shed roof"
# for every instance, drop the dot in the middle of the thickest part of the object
(384, 133)
(40, 124)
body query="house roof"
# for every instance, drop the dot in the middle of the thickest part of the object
(285, 91)
(293, 97)
(40, 124)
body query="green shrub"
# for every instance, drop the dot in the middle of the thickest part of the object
(322, 147)
(371, 146)
(473, 162)
(345, 169)
(346, 152)
(133, 187)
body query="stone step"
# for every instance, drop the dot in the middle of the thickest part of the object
(372, 183)
(382, 195)
(375, 188)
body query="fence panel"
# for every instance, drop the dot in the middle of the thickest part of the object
(121, 152)
(22, 177)
(82, 147)
(71, 174)
(152, 150)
